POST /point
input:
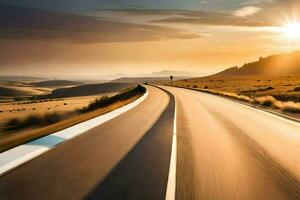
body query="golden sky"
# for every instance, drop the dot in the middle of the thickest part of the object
(136, 41)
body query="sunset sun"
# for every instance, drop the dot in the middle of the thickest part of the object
(292, 30)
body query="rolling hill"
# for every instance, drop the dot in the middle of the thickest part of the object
(281, 64)
(11, 92)
(8, 91)
(141, 80)
(55, 83)
(86, 90)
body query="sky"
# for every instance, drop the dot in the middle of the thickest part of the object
(133, 37)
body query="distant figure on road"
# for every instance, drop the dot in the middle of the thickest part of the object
(171, 77)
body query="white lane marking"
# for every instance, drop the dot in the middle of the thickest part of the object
(270, 113)
(171, 186)
(263, 111)
(12, 158)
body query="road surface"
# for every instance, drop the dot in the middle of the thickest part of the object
(225, 151)
(230, 151)
(127, 157)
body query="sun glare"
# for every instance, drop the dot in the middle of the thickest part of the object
(292, 30)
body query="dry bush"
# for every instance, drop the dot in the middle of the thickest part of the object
(121, 96)
(236, 96)
(36, 120)
(288, 106)
(296, 89)
(230, 95)
(268, 101)
(265, 100)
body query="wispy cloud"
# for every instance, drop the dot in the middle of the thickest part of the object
(200, 17)
(17, 22)
(247, 11)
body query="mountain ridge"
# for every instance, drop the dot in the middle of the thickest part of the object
(286, 63)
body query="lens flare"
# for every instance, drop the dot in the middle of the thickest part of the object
(292, 30)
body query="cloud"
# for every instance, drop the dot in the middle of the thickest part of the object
(200, 17)
(20, 23)
(247, 11)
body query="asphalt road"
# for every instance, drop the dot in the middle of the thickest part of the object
(126, 158)
(225, 151)
(230, 151)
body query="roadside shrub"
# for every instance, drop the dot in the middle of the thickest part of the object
(13, 122)
(291, 107)
(288, 97)
(35, 121)
(32, 120)
(106, 100)
(265, 101)
(100, 103)
(296, 89)
(288, 106)
(18, 98)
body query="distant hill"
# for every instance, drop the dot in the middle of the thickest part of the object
(273, 65)
(16, 91)
(20, 78)
(143, 79)
(55, 83)
(86, 90)
(167, 73)
(7, 91)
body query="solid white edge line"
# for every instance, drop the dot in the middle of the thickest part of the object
(262, 110)
(270, 113)
(21, 154)
(171, 185)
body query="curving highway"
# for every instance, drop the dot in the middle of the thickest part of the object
(230, 151)
(225, 151)
(125, 158)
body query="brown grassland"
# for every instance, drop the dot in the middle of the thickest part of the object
(21, 109)
(23, 121)
(281, 93)
(284, 88)
(8, 141)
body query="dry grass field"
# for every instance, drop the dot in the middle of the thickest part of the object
(277, 93)
(22, 109)
(16, 138)
(28, 118)
(22, 121)
(284, 88)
